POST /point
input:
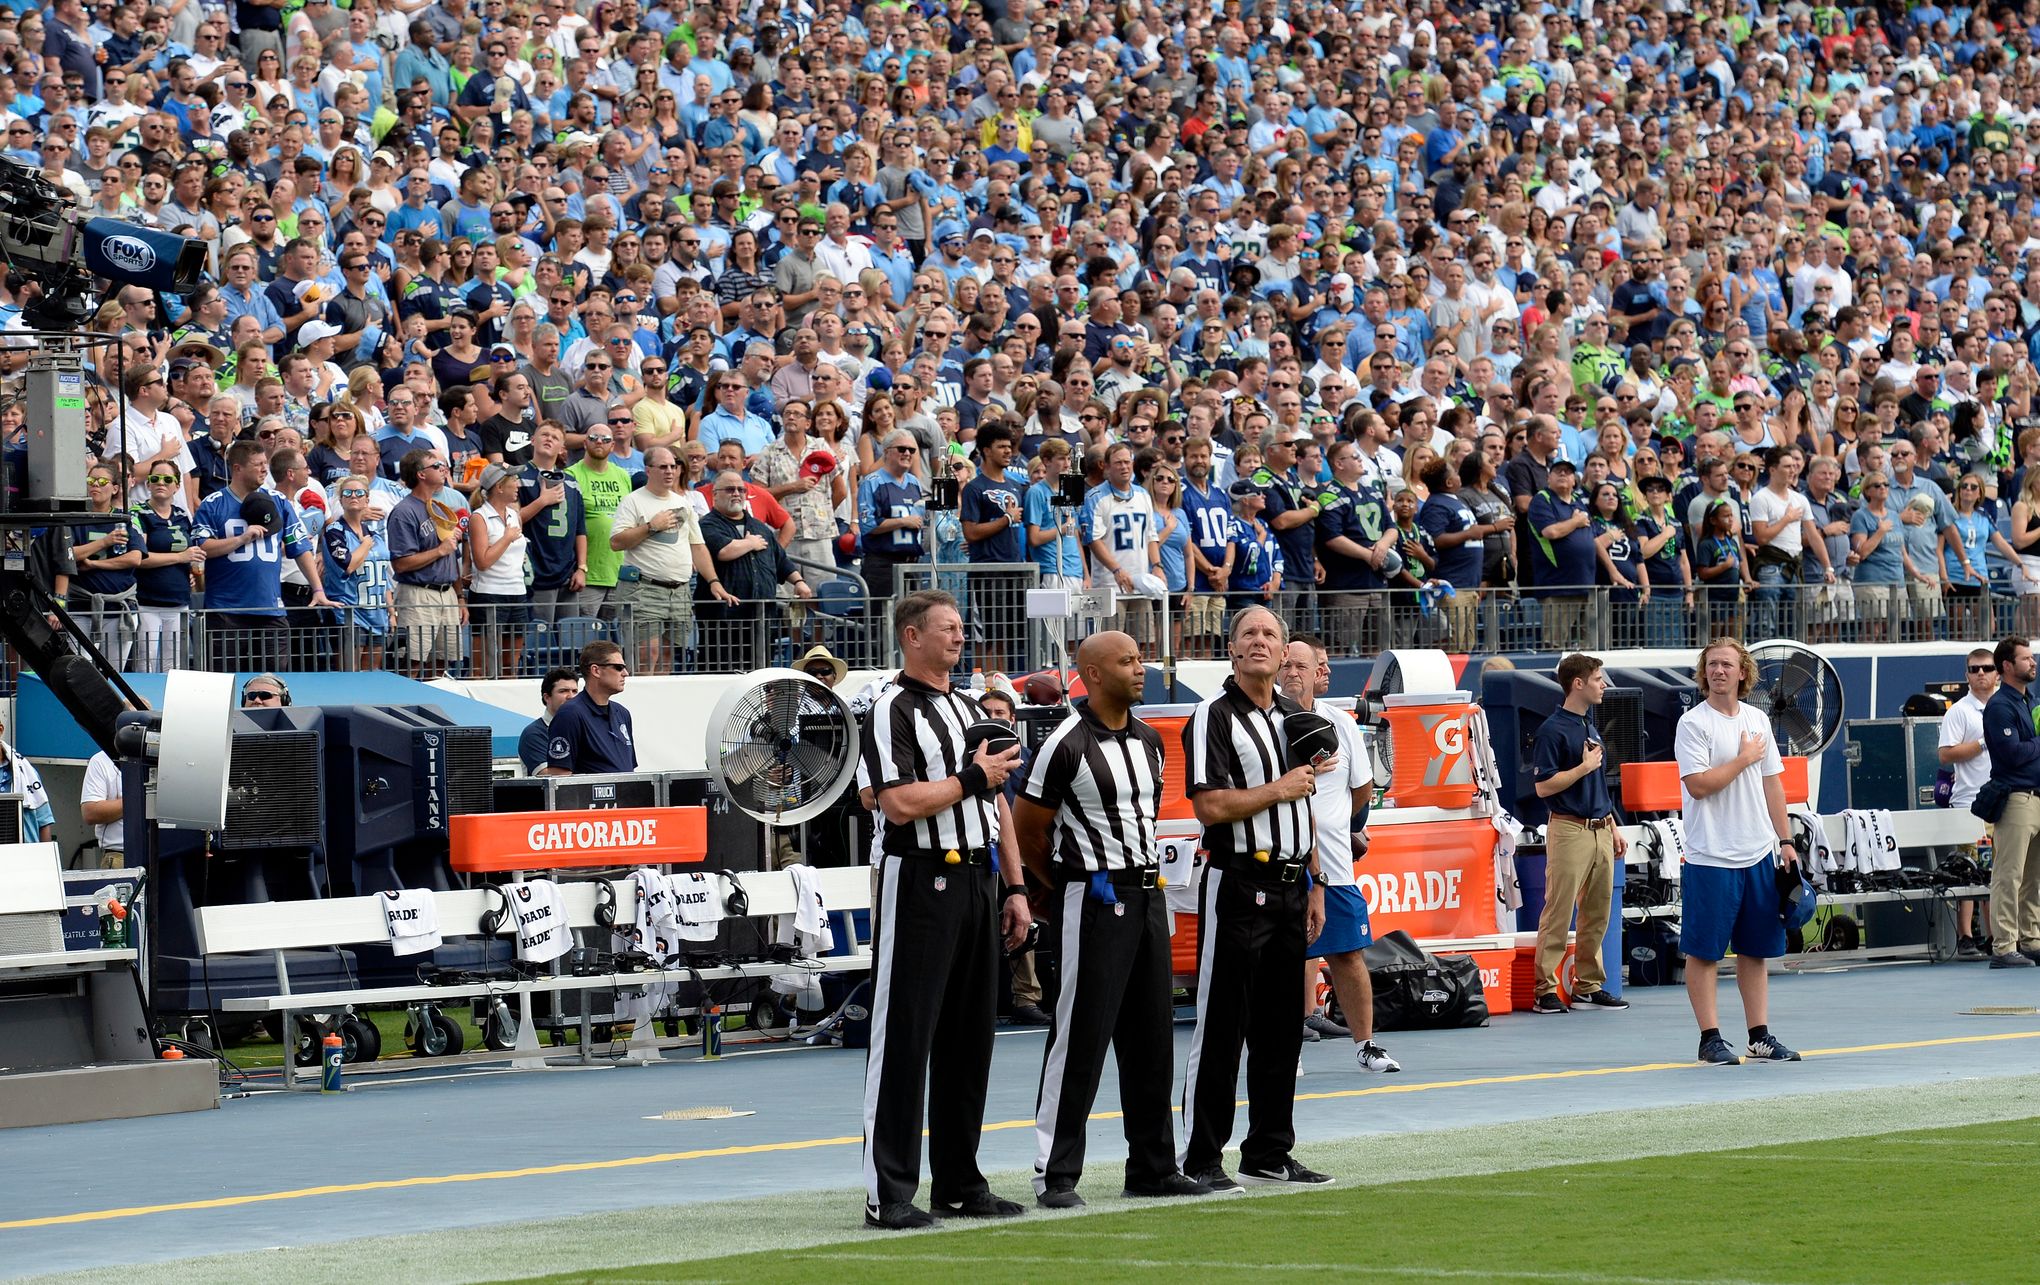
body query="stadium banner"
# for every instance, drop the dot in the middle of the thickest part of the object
(482, 842)
(1431, 879)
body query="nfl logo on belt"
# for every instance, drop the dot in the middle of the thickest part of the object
(941, 882)
(1260, 898)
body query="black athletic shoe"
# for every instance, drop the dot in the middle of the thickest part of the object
(1286, 1174)
(1317, 1025)
(898, 1216)
(1029, 1015)
(1717, 1052)
(1217, 1180)
(1548, 1004)
(1968, 949)
(1769, 1048)
(1060, 1198)
(2010, 959)
(1176, 1184)
(983, 1205)
(1600, 999)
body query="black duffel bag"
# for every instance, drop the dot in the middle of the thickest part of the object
(1414, 991)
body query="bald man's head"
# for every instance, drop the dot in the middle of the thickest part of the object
(1113, 672)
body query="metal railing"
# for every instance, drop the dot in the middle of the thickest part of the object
(999, 638)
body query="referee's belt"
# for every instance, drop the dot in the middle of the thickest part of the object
(1142, 877)
(1266, 870)
(949, 856)
(1598, 823)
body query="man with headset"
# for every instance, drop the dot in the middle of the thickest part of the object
(1259, 902)
(949, 889)
(264, 691)
(1086, 827)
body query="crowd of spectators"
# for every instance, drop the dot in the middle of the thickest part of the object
(1715, 314)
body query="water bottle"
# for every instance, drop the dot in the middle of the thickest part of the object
(1984, 847)
(711, 1033)
(330, 1058)
(113, 926)
(977, 678)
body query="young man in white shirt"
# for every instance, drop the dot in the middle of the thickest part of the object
(1732, 794)
(1962, 749)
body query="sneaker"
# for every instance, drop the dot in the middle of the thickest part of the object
(1548, 1004)
(1310, 1036)
(1175, 1184)
(1373, 1057)
(1216, 1180)
(900, 1215)
(1769, 1049)
(2032, 953)
(1967, 949)
(1600, 999)
(982, 1205)
(1029, 1015)
(1286, 1174)
(1060, 1198)
(2010, 959)
(1717, 1052)
(1318, 1025)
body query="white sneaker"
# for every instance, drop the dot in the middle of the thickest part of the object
(1373, 1057)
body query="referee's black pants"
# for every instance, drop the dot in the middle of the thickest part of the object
(935, 971)
(1250, 951)
(1114, 964)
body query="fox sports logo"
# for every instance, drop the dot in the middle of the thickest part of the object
(132, 254)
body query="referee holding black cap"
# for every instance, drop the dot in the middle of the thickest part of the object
(949, 888)
(1085, 823)
(1258, 905)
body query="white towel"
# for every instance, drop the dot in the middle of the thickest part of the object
(1508, 830)
(542, 931)
(812, 934)
(697, 904)
(1178, 857)
(1671, 846)
(652, 928)
(412, 918)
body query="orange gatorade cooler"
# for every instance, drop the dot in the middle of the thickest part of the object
(1432, 767)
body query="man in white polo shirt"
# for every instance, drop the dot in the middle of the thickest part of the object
(1963, 750)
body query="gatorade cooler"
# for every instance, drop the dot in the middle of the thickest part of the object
(1432, 767)
(1524, 980)
(1169, 720)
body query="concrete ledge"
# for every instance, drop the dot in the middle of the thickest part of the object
(123, 1091)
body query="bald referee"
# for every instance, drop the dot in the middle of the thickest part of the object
(1086, 827)
(1256, 908)
(949, 888)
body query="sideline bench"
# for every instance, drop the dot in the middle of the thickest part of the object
(277, 927)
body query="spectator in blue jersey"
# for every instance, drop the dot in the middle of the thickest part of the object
(1051, 528)
(1563, 550)
(555, 524)
(891, 511)
(357, 573)
(591, 732)
(1459, 537)
(170, 557)
(1353, 536)
(246, 531)
(559, 686)
(1209, 511)
(993, 527)
(1257, 557)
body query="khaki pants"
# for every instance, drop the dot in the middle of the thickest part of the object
(2015, 876)
(1579, 868)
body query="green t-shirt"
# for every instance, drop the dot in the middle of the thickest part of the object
(601, 491)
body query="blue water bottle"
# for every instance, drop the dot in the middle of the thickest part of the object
(329, 1064)
(711, 1033)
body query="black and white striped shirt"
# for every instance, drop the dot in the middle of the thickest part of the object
(1105, 788)
(915, 733)
(1233, 744)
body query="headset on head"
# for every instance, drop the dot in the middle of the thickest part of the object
(282, 688)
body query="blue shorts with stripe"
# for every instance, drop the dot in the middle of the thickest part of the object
(1346, 927)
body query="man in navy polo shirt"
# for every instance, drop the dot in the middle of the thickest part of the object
(1582, 846)
(993, 524)
(1562, 550)
(592, 732)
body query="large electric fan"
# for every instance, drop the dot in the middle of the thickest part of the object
(1802, 694)
(782, 746)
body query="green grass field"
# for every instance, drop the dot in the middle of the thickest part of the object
(1943, 1205)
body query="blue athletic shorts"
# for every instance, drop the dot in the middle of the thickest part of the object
(1345, 923)
(1723, 908)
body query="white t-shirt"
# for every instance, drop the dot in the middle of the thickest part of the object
(1733, 827)
(663, 555)
(1331, 807)
(1963, 722)
(102, 782)
(1767, 506)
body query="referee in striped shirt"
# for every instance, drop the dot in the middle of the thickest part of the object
(949, 888)
(1258, 905)
(1086, 826)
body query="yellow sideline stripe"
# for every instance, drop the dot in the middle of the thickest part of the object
(810, 1144)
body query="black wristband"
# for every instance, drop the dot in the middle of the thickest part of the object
(1013, 890)
(973, 779)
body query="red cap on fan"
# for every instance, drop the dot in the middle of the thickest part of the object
(819, 463)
